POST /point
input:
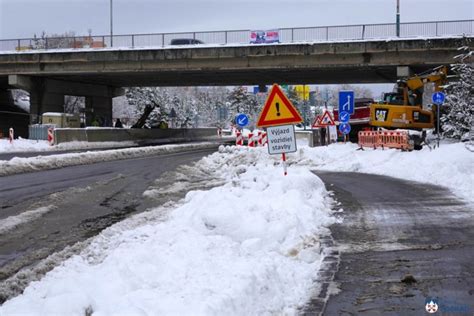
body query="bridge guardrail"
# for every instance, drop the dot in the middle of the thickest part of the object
(286, 35)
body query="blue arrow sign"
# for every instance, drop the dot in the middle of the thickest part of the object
(344, 117)
(346, 101)
(241, 120)
(345, 128)
(438, 98)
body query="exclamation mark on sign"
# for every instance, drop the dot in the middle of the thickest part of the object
(278, 108)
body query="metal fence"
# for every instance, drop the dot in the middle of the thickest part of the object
(286, 35)
(39, 131)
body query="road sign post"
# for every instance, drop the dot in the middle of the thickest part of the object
(345, 129)
(276, 114)
(344, 117)
(438, 99)
(242, 120)
(281, 140)
(346, 101)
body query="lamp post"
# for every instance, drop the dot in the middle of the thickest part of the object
(111, 26)
(398, 18)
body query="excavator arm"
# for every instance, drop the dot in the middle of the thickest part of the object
(404, 108)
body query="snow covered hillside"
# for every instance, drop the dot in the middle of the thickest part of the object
(249, 246)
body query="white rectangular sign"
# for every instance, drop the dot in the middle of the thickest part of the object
(281, 139)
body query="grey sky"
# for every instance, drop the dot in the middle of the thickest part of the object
(23, 18)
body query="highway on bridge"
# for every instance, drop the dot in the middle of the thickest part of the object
(77, 202)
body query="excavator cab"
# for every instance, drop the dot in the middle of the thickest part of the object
(403, 108)
(393, 98)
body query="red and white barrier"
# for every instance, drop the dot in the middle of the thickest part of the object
(262, 138)
(11, 135)
(385, 139)
(251, 142)
(239, 139)
(50, 136)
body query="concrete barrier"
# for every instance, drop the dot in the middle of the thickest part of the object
(141, 136)
(311, 138)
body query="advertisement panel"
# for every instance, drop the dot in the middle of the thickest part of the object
(264, 37)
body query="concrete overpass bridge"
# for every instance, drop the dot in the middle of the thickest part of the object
(49, 73)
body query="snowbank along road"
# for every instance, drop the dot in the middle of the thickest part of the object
(45, 212)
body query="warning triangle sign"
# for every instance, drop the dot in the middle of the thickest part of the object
(278, 110)
(325, 120)
(316, 121)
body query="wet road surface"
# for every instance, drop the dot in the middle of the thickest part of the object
(399, 243)
(71, 204)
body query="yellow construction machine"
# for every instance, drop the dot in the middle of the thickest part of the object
(403, 108)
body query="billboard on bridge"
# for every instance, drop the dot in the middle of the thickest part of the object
(260, 37)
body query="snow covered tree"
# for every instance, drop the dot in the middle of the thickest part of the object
(301, 105)
(240, 101)
(457, 117)
(74, 104)
(152, 99)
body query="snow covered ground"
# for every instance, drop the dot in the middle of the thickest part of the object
(29, 145)
(451, 165)
(249, 246)
(21, 165)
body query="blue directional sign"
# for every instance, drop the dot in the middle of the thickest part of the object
(438, 98)
(344, 117)
(346, 101)
(345, 128)
(241, 120)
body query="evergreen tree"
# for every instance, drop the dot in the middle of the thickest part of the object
(458, 110)
(240, 101)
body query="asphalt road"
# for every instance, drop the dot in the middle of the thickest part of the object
(399, 243)
(82, 201)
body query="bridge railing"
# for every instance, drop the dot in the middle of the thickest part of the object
(286, 35)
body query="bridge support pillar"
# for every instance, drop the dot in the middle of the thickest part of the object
(5, 97)
(99, 111)
(47, 95)
(41, 102)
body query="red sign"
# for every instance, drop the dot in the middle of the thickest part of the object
(278, 110)
(325, 120)
(316, 121)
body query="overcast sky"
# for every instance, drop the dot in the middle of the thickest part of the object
(23, 18)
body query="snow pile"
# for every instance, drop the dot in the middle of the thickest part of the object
(20, 165)
(29, 145)
(23, 145)
(450, 165)
(249, 246)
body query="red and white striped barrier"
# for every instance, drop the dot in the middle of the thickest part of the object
(259, 138)
(239, 139)
(262, 139)
(11, 135)
(251, 142)
(50, 136)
